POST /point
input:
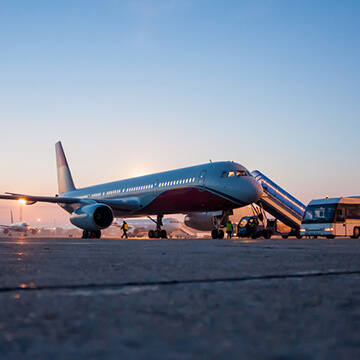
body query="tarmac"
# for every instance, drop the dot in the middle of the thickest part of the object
(179, 299)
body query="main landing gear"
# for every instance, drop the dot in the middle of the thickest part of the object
(158, 233)
(91, 234)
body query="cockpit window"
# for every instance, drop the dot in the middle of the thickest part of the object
(237, 173)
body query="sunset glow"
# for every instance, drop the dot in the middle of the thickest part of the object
(268, 84)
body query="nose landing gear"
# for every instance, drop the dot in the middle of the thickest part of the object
(217, 234)
(219, 222)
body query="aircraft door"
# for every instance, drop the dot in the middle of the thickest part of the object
(156, 188)
(202, 178)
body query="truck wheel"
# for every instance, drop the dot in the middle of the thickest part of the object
(356, 233)
(267, 234)
(284, 236)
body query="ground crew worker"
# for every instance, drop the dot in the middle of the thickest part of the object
(124, 229)
(229, 229)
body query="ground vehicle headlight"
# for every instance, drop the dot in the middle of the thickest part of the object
(302, 230)
(328, 229)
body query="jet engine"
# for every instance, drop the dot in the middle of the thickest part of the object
(204, 221)
(6, 231)
(92, 217)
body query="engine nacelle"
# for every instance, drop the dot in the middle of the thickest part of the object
(204, 221)
(6, 231)
(92, 217)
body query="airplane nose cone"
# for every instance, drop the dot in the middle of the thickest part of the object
(253, 193)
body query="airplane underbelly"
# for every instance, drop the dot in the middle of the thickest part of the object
(186, 200)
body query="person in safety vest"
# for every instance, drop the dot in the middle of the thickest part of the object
(229, 229)
(124, 229)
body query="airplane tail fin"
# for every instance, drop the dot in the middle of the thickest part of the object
(65, 180)
(12, 218)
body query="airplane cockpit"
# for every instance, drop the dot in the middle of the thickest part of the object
(235, 173)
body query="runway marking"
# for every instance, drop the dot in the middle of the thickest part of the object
(311, 274)
(42, 243)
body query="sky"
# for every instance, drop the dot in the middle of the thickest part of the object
(136, 87)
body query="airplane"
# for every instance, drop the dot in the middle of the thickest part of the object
(140, 227)
(21, 227)
(215, 186)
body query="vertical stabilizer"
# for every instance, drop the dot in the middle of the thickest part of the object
(12, 218)
(65, 181)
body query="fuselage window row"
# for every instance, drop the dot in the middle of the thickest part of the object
(177, 182)
(145, 187)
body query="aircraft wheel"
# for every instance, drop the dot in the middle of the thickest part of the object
(163, 234)
(214, 234)
(86, 234)
(221, 234)
(151, 234)
(97, 234)
(157, 234)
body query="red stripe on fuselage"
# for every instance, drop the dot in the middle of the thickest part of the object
(186, 200)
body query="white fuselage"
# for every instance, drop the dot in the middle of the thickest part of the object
(208, 187)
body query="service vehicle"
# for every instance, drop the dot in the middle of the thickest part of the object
(331, 217)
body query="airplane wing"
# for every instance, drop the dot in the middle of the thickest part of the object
(4, 226)
(127, 204)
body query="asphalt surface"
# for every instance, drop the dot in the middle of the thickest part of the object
(179, 299)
